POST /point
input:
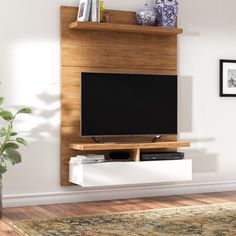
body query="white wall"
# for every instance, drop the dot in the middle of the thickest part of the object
(210, 120)
(30, 76)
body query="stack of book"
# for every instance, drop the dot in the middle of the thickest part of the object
(90, 10)
(87, 159)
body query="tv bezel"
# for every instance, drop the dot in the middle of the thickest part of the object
(125, 135)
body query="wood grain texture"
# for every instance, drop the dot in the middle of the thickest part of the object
(120, 51)
(121, 17)
(115, 52)
(124, 28)
(125, 146)
(136, 155)
(133, 148)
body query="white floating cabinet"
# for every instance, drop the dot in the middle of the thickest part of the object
(126, 173)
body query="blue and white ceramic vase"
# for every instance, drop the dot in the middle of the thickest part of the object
(146, 16)
(166, 11)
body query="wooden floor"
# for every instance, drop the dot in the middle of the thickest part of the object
(75, 209)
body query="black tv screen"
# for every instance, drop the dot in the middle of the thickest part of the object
(128, 104)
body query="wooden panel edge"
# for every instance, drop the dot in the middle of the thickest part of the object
(127, 146)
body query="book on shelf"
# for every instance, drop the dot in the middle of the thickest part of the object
(95, 4)
(98, 10)
(90, 13)
(84, 11)
(87, 158)
(91, 157)
(89, 10)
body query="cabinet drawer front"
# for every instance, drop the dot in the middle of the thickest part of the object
(123, 173)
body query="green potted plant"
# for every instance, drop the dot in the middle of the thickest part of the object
(9, 142)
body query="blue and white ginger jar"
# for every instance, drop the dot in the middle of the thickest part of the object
(146, 16)
(166, 11)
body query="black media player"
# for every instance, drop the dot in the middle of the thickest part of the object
(161, 156)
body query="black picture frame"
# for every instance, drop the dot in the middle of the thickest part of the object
(223, 63)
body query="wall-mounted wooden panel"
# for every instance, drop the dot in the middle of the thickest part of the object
(121, 17)
(87, 51)
(120, 51)
(116, 50)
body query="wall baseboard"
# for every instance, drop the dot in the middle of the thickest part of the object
(82, 195)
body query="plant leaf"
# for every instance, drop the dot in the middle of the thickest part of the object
(22, 141)
(2, 169)
(24, 111)
(10, 145)
(12, 155)
(1, 100)
(13, 134)
(2, 132)
(6, 115)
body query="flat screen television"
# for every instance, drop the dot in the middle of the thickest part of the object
(128, 104)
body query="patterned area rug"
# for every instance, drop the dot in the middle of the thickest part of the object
(217, 220)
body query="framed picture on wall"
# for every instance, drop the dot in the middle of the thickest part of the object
(228, 78)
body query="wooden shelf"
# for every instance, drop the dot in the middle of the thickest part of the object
(127, 146)
(125, 28)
